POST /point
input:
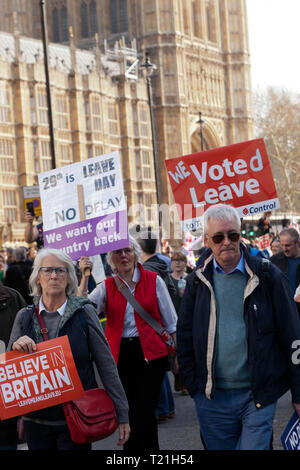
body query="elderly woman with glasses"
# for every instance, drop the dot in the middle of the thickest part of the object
(54, 284)
(140, 353)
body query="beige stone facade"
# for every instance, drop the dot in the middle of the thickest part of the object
(99, 95)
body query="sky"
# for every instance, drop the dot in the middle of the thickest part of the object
(274, 38)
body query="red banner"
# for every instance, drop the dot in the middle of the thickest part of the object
(239, 175)
(32, 381)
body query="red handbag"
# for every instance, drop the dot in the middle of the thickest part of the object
(91, 417)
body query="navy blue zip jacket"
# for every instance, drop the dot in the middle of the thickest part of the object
(272, 326)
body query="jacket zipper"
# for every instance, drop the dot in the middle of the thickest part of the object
(256, 317)
(210, 383)
(253, 279)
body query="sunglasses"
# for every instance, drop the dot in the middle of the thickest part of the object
(219, 237)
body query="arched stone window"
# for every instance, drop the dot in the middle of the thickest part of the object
(123, 16)
(55, 27)
(114, 16)
(64, 24)
(186, 22)
(119, 16)
(84, 20)
(196, 17)
(93, 18)
(211, 21)
(211, 137)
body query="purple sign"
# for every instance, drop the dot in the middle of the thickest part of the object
(90, 237)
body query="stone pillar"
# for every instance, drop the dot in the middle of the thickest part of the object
(20, 92)
(124, 114)
(228, 75)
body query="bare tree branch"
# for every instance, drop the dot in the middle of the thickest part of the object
(277, 120)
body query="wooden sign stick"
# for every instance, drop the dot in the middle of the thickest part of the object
(87, 271)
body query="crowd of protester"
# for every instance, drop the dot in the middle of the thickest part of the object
(138, 371)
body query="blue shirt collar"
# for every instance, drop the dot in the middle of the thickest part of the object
(239, 267)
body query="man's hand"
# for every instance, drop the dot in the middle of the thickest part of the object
(29, 217)
(31, 232)
(297, 408)
(297, 294)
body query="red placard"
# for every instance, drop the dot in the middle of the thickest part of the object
(32, 381)
(239, 175)
(264, 242)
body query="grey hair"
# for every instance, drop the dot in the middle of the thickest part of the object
(35, 287)
(294, 234)
(137, 251)
(222, 212)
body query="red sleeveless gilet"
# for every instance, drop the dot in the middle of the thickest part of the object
(145, 293)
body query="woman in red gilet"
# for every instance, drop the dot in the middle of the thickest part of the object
(140, 353)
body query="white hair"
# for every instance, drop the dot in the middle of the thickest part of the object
(35, 287)
(137, 251)
(222, 212)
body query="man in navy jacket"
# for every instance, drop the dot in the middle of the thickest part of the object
(237, 337)
(288, 260)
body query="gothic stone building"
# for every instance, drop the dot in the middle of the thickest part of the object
(99, 94)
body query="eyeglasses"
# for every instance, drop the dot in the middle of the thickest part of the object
(219, 237)
(47, 271)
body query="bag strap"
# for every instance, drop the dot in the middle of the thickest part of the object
(44, 330)
(137, 307)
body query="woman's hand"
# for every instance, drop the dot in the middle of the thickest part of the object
(85, 266)
(124, 433)
(175, 366)
(24, 344)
